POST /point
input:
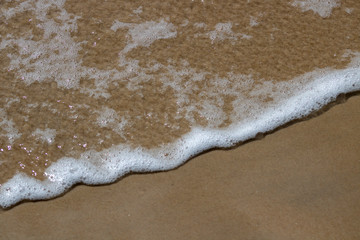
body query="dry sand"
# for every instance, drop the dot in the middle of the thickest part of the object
(300, 182)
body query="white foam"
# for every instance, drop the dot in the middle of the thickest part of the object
(46, 135)
(321, 7)
(39, 60)
(120, 160)
(199, 25)
(253, 21)
(138, 10)
(108, 117)
(7, 125)
(23, 6)
(292, 99)
(144, 34)
(349, 10)
(224, 31)
(55, 56)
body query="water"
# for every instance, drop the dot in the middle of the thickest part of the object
(92, 91)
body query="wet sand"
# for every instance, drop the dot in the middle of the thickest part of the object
(145, 73)
(300, 182)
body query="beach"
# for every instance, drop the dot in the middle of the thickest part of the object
(300, 182)
(195, 119)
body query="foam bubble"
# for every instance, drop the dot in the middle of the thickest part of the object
(46, 135)
(108, 117)
(254, 21)
(224, 31)
(8, 126)
(321, 7)
(144, 34)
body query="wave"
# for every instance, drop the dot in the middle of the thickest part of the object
(111, 164)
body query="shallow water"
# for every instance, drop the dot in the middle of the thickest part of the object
(91, 91)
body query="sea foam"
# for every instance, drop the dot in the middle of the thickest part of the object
(121, 160)
(56, 58)
(321, 7)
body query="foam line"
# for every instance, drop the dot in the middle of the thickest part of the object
(120, 160)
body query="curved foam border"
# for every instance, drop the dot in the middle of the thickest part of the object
(120, 160)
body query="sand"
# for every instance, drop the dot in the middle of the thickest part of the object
(300, 182)
(145, 73)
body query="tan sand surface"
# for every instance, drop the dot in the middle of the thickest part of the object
(301, 182)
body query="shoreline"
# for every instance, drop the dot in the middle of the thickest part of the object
(298, 182)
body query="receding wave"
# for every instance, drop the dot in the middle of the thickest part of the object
(93, 91)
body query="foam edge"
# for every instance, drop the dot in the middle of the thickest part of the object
(121, 160)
